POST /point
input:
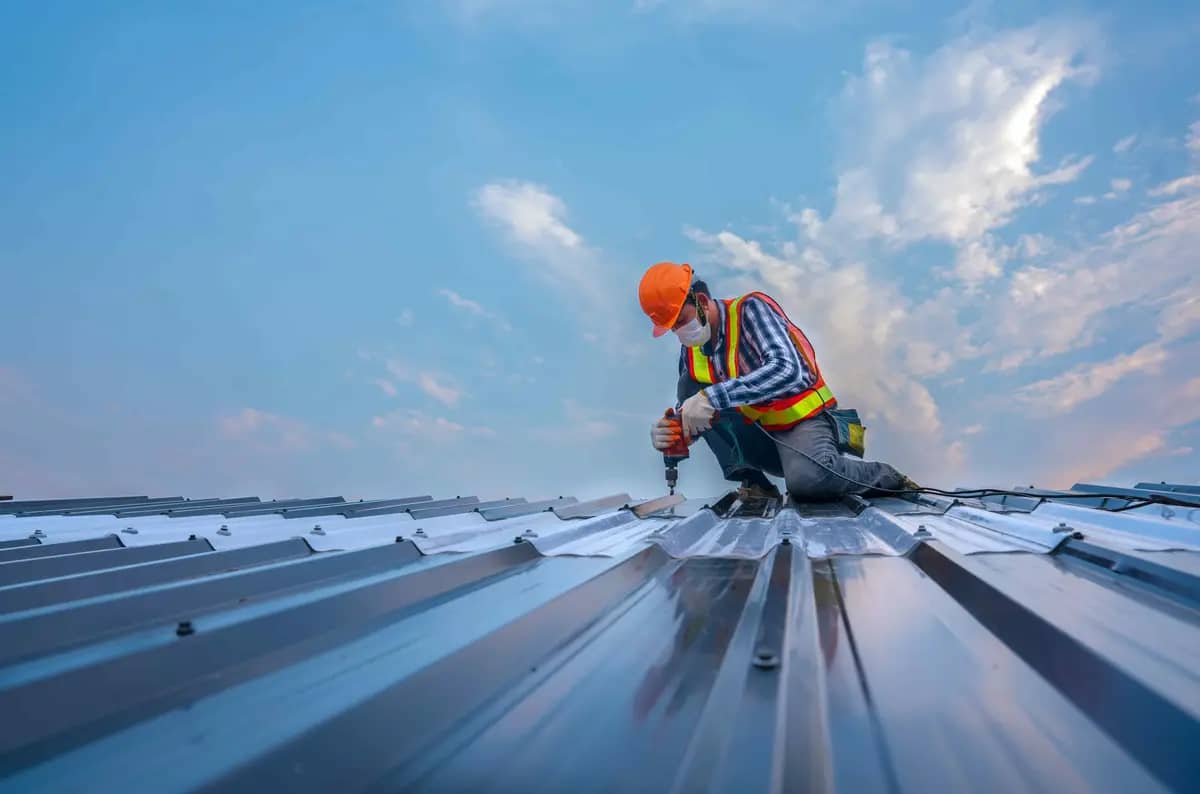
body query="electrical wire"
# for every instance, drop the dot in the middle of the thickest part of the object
(976, 493)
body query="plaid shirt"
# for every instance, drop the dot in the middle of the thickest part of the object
(772, 367)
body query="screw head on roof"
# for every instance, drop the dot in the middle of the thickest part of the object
(37, 533)
(518, 539)
(529, 533)
(184, 629)
(1062, 527)
(224, 530)
(399, 538)
(1077, 535)
(420, 533)
(316, 530)
(129, 531)
(765, 659)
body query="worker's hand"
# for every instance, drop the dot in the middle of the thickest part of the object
(663, 434)
(697, 413)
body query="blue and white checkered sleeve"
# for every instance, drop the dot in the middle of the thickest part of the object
(783, 371)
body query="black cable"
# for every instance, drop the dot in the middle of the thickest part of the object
(1134, 501)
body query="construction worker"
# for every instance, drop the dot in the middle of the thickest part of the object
(742, 363)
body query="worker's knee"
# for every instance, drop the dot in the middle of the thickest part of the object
(807, 480)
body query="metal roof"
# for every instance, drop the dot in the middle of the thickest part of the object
(1010, 643)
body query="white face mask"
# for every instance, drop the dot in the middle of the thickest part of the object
(693, 334)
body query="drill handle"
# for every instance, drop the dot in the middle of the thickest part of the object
(679, 446)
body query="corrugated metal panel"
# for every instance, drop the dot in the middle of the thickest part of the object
(603, 645)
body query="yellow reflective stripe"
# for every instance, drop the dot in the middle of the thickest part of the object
(701, 366)
(793, 413)
(732, 338)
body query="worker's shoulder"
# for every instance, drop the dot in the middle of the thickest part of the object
(762, 300)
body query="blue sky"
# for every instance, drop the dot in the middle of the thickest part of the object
(388, 248)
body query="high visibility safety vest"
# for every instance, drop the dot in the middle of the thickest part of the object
(784, 412)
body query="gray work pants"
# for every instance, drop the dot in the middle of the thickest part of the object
(745, 452)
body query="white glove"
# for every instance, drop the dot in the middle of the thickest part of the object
(697, 413)
(662, 434)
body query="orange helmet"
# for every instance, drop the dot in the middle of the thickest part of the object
(662, 292)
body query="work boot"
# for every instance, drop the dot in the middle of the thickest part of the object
(754, 490)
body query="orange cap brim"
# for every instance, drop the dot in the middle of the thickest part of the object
(661, 330)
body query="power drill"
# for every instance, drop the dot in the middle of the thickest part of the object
(676, 452)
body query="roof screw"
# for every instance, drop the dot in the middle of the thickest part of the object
(129, 531)
(1077, 535)
(529, 533)
(518, 539)
(786, 541)
(224, 530)
(317, 530)
(420, 533)
(1167, 512)
(37, 533)
(765, 659)
(1062, 527)
(399, 538)
(184, 629)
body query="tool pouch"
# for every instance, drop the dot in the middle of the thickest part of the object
(849, 429)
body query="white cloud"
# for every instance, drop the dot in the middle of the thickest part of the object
(434, 384)
(944, 147)
(1179, 315)
(405, 318)
(1176, 186)
(1193, 137)
(1119, 188)
(474, 308)
(1144, 263)
(903, 181)
(1032, 246)
(1128, 438)
(421, 426)
(925, 358)
(1085, 200)
(385, 386)
(533, 222)
(430, 383)
(1125, 144)
(268, 432)
(1064, 392)
(979, 260)
(530, 214)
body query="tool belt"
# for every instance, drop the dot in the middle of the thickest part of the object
(849, 431)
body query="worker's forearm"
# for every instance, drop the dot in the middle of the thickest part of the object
(771, 381)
